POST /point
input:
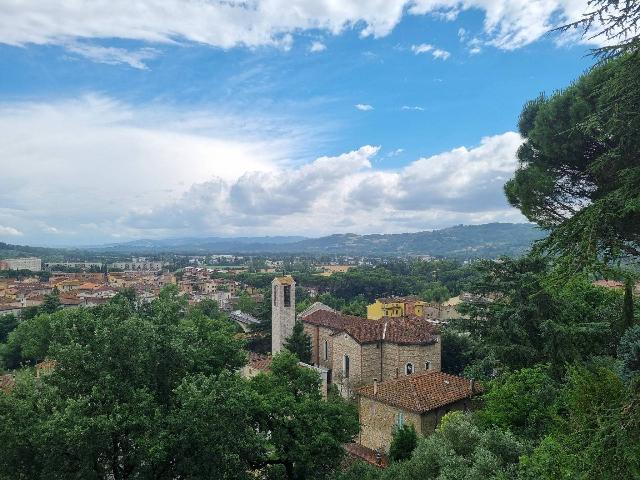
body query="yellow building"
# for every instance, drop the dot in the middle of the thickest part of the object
(396, 307)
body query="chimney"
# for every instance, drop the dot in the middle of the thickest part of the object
(375, 386)
(472, 384)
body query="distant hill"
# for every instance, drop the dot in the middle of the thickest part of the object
(490, 240)
(463, 241)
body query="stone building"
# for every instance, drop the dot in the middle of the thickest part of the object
(358, 351)
(283, 311)
(420, 400)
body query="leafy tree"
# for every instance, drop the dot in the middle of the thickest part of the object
(305, 433)
(460, 449)
(299, 343)
(403, 443)
(246, 304)
(628, 311)
(579, 174)
(521, 402)
(8, 323)
(51, 302)
(597, 431)
(629, 353)
(459, 350)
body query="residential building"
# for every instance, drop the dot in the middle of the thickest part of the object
(28, 263)
(394, 307)
(420, 400)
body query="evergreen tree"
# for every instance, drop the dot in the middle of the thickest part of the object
(628, 319)
(299, 343)
(404, 442)
(51, 302)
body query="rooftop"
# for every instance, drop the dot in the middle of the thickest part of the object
(402, 330)
(422, 392)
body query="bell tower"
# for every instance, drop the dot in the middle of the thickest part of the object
(283, 311)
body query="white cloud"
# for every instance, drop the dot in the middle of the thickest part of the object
(78, 165)
(363, 107)
(422, 48)
(441, 54)
(114, 56)
(317, 47)
(427, 48)
(9, 231)
(345, 193)
(413, 107)
(508, 24)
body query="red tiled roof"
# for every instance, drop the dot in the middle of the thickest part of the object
(377, 459)
(259, 361)
(402, 330)
(422, 392)
(609, 283)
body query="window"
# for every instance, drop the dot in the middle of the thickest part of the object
(427, 365)
(287, 295)
(326, 350)
(399, 419)
(345, 366)
(408, 368)
(275, 295)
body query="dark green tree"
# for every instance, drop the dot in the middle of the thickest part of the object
(51, 302)
(629, 353)
(299, 343)
(579, 172)
(305, 433)
(403, 443)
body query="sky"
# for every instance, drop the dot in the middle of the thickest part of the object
(123, 120)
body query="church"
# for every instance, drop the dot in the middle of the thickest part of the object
(356, 351)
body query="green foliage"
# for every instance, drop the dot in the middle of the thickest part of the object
(596, 433)
(403, 443)
(8, 323)
(151, 392)
(629, 353)
(305, 432)
(579, 173)
(246, 304)
(460, 449)
(51, 302)
(299, 343)
(521, 402)
(531, 320)
(458, 350)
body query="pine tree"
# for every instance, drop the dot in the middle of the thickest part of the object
(628, 319)
(299, 343)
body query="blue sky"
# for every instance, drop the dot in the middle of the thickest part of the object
(137, 125)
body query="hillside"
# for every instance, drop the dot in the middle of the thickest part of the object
(463, 241)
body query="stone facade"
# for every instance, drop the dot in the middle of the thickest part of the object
(367, 360)
(283, 311)
(379, 420)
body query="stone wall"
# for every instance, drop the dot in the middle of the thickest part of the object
(395, 357)
(318, 336)
(344, 344)
(378, 422)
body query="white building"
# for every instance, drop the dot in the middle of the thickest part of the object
(28, 263)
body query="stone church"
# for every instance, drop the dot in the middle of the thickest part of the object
(358, 351)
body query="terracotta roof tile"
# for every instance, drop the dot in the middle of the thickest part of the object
(422, 392)
(377, 459)
(403, 330)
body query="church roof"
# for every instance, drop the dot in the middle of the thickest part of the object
(402, 330)
(314, 308)
(422, 392)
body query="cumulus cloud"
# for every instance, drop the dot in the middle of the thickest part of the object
(9, 231)
(363, 107)
(317, 47)
(508, 24)
(94, 158)
(345, 192)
